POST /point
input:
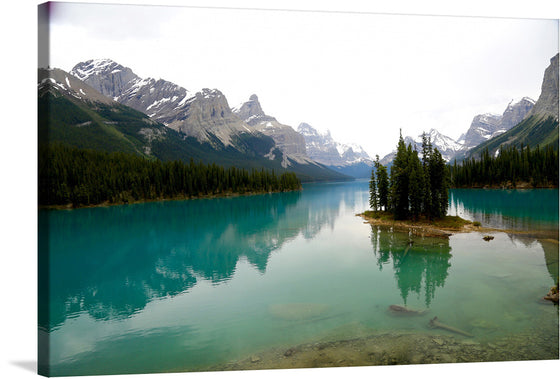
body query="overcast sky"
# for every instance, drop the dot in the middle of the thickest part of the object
(363, 76)
(18, 144)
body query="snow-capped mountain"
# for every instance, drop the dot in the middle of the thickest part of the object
(538, 126)
(74, 113)
(447, 146)
(350, 159)
(287, 139)
(324, 149)
(56, 81)
(483, 128)
(486, 126)
(204, 115)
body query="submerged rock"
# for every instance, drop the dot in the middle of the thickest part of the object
(552, 295)
(402, 310)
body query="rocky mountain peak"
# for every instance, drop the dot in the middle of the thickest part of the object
(322, 148)
(285, 137)
(547, 104)
(251, 111)
(307, 130)
(56, 81)
(84, 70)
(205, 114)
(105, 75)
(516, 110)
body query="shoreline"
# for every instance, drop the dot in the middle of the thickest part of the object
(401, 348)
(428, 229)
(425, 228)
(508, 186)
(105, 204)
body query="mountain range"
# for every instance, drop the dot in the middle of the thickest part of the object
(539, 126)
(523, 122)
(350, 159)
(101, 104)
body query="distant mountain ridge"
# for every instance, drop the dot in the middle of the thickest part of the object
(539, 126)
(75, 113)
(203, 115)
(447, 146)
(350, 159)
(484, 127)
(487, 126)
(286, 138)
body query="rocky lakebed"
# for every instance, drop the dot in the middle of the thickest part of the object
(402, 348)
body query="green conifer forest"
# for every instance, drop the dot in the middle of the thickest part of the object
(415, 187)
(81, 177)
(537, 167)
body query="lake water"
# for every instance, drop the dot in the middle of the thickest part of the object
(190, 285)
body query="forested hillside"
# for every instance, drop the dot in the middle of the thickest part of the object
(80, 177)
(537, 167)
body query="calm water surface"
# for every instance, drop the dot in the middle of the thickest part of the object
(185, 285)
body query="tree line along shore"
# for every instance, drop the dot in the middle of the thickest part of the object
(74, 177)
(416, 189)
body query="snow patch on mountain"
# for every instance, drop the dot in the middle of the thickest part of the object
(322, 148)
(93, 67)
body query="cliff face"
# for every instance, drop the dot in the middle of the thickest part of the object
(547, 104)
(324, 149)
(539, 126)
(106, 76)
(487, 126)
(482, 128)
(515, 113)
(251, 112)
(286, 138)
(204, 115)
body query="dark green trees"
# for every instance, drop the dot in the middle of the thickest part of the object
(416, 187)
(75, 176)
(416, 184)
(537, 167)
(399, 191)
(373, 203)
(382, 185)
(437, 181)
(379, 187)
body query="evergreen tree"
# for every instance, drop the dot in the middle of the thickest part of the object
(538, 167)
(373, 192)
(399, 182)
(416, 185)
(88, 177)
(439, 184)
(382, 184)
(427, 152)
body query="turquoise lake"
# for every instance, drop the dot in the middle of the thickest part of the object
(190, 285)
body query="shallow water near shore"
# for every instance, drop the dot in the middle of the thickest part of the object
(238, 282)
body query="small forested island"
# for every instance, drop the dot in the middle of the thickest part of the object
(73, 177)
(414, 194)
(415, 190)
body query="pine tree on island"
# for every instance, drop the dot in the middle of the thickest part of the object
(415, 188)
(373, 201)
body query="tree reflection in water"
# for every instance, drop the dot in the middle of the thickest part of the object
(419, 263)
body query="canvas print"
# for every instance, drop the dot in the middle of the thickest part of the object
(241, 189)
